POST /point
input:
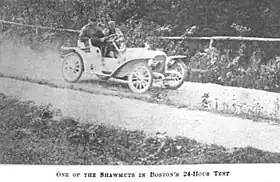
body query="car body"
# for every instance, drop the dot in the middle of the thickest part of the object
(140, 67)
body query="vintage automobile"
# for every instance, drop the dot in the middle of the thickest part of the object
(139, 67)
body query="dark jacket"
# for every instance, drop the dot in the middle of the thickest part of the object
(86, 32)
(95, 39)
(89, 32)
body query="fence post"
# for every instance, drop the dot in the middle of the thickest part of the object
(37, 24)
(211, 43)
(1, 26)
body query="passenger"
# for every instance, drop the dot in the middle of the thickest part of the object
(112, 29)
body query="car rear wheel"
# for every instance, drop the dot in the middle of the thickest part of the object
(140, 78)
(72, 67)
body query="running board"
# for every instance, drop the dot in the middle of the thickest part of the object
(102, 74)
(107, 72)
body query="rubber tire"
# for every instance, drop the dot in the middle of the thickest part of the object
(81, 70)
(130, 84)
(185, 77)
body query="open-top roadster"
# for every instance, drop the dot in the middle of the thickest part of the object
(140, 67)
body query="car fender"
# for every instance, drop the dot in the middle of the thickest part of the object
(68, 51)
(85, 54)
(65, 50)
(125, 68)
(170, 58)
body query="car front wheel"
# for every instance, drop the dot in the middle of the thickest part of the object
(140, 78)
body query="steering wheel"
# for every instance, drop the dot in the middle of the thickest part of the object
(112, 38)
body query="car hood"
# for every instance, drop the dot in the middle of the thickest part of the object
(141, 53)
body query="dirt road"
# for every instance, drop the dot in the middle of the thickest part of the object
(135, 114)
(23, 62)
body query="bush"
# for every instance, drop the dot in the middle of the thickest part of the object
(212, 65)
(232, 63)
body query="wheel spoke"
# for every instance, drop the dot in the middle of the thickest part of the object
(137, 84)
(138, 75)
(144, 83)
(146, 79)
(140, 78)
(146, 76)
(135, 75)
(72, 67)
(142, 86)
(177, 77)
(145, 72)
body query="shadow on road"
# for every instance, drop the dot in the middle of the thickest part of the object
(105, 83)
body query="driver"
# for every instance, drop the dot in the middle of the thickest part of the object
(98, 37)
(87, 31)
(93, 31)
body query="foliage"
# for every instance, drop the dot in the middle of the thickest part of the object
(252, 72)
(258, 16)
(227, 64)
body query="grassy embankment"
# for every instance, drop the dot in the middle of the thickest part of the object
(29, 134)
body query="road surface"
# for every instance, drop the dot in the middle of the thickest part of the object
(134, 114)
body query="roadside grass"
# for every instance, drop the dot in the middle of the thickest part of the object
(31, 134)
